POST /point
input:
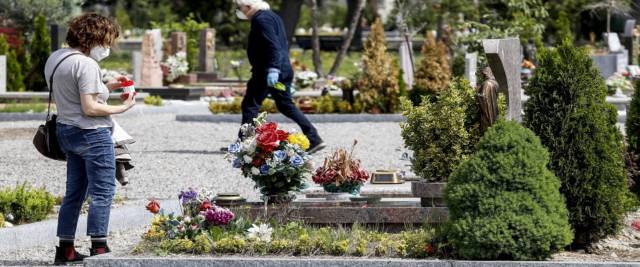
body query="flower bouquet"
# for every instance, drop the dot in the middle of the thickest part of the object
(175, 66)
(198, 216)
(340, 173)
(305, 79)
(273, 158)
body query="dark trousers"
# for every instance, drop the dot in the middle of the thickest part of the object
(257, 91)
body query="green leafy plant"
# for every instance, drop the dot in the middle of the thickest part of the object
(632, 127)
(192, 28)
(26, 204)
(504, 203)
(567, 110)
(326, 104)
(153, 100)
(441, 132)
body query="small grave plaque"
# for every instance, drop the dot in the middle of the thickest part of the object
(385, 177)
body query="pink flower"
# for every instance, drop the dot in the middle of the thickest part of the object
(218, 216)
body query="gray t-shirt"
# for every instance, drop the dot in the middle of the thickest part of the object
(78, 74)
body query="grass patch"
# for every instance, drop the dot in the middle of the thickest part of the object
(32, 107)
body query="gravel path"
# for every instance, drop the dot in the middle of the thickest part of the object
(171, 155)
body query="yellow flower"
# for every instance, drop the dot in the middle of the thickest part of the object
(300, 140)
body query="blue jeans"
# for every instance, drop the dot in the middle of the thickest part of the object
(91, 170)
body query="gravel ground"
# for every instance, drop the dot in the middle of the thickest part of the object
(171, 155)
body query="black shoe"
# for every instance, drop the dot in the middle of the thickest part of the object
(317, 147)
(67, 255)
(99, 250)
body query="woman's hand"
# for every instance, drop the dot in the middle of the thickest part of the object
(115, 83)
(130, 101)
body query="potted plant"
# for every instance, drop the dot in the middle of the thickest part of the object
(341, 175)
(441, 131)
(273, 158)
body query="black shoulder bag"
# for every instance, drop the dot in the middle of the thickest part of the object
(46, 140)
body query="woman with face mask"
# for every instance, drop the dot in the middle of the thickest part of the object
(84, 130)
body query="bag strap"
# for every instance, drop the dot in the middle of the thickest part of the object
(51, 82)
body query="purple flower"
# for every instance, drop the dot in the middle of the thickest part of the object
(188, 196)
(296, 161)
(264, 169)
(237, 163)
(218, 216)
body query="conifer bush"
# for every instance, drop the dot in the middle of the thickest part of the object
(14, 78)
(504, 203)
(632, 128)
(441, 133)
(567, 110)
(378, 85)
(39, 51)
(434, 74)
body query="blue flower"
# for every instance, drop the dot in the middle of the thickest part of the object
(264, 169)
(296, 161)
(234, 148)
(279, 155)
(237, 163)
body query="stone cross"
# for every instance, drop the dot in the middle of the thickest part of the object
(150, 71)
(505, 57)
(3, 74)
(178, 43)
(470, 68)
(206, 59)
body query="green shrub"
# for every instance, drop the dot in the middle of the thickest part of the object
(326, 104)
(202, 244)
(268, 105)
(26, 204)
(15, 81)
(632, 127)
(504, 203)
(441, 133)
(1, 220)
(153, 100)
(39, 51)
(433, 75)
(567, 110)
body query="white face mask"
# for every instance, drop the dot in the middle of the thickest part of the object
(99, 52)
(241, 15)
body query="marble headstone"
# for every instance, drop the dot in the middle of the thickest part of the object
(3, 74)
(178, 42)
(470, 68)
(206, 59)
(150, 71)
(505, 57)
(136, 63)
(157, 43)
(613, 42)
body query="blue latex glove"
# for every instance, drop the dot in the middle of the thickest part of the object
(272, 78)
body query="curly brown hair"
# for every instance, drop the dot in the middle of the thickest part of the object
(90, 30)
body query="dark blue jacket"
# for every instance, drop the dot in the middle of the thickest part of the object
(268, 46)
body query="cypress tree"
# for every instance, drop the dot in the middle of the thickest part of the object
(39, 50)
(567, 110)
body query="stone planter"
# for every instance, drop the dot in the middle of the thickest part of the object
(430, 194)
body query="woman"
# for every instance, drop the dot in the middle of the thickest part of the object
(84, 131)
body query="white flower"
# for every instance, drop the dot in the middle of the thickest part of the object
(177, 65)
(255, 171)
(261, 232)
(247, 159)
(186, 219)
(8, 224)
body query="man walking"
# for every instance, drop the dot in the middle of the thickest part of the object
(271, 71)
